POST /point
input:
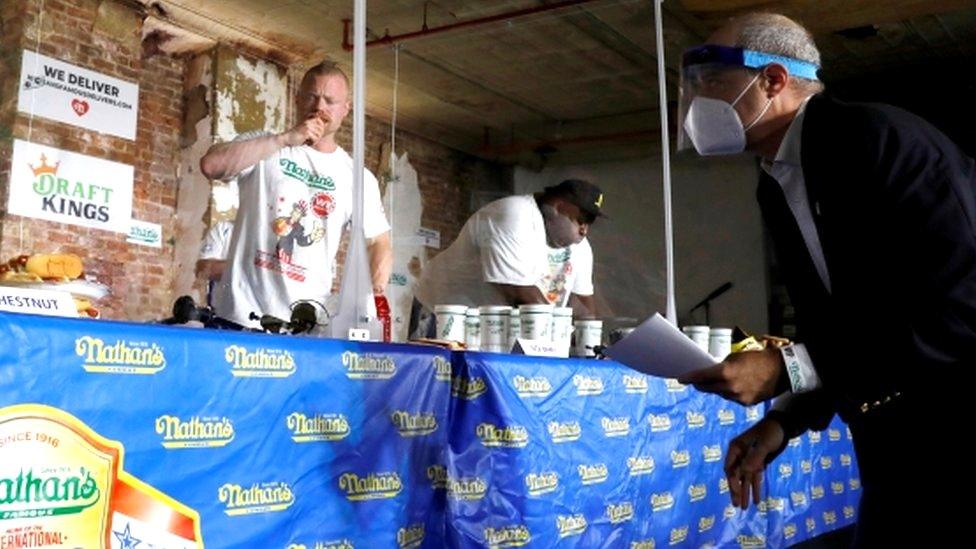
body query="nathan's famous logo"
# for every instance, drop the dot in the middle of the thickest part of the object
(811, 524)
(643, 544)
(752, 414)
(318, 427)
(849, 512)
(411, 536)
(413, 425)
(712, 453)
(620, 512)
(306, 176)
(538, 386)
(806, 466)
(706, 523)
(695, 420)
(817, 492)
(368, 366)
(662, 501)
(830, 517)
(729, 512)
(726, 417)
(659, 423)
(194, 432)
(564, 431)
(789, 531)
(586, 385)
(635, 385)
(795, 442)
(267, 497)
(442, 368)
(468, 388)
(372, 486)
(854, 484)
(756, 541)
(466, 488)
(697, 492)
(336, 544)
(785, 470)
(512, 436)
(593, 474)
(260, 362)
(678, 535)
(680, 458)
(32, 494)
(507, 536)
(798, 499)
(571, 525)
(775, 504)
(640, 465)
(837, 488)
(541, 483)
(833, 435)
(845, 460)
(120, 357)
(75, 199)
(723, 485)
(437, 475)
(814, 436)
(673, 386)
(615, 426)
(826, 462)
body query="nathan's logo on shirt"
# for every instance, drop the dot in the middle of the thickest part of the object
(512, 436)
(659, 423)
(833, 435)
(817, 492)
(756, 541)
(723, 485)
(680, 458)
(643, 544)
(337, 544)
(368, 366)
(849, 512)
(414, 425)
(372, 486)
(411, 536)
(635, 385)
(706, 523)
(795, 442)
(729, 512)
(662, 501)
(678, 535)
(593, 474)
(830, 518)
(120, 357)
(785, 470)
(437, 474)
(837, 488)
(195, 432)
(826, 462)
(640, 465)
(532, 387)
(621, 512)
(798, 499)
(564, 432)
(587, 386)
(542, 483)
(673, 386)
(615, 426)
(854, 484)
(318, 428)
(468, 388)
(811, 524)
(571, 525)
(789, 531)
(775, 504)
(695, 420)
(712, 453)
(306, 176)
(845, 460)
(697, 492)
(260, 362)
(752, 414)
(507, 536)
(814, 437)
(806, 466)
(466, 488)
(726, 417)
(268, 497)
(442, 369)
(46, 493)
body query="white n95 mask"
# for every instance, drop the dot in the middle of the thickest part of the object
(714, 126)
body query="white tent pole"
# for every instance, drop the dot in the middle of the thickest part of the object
(671, 314)
(359, 131)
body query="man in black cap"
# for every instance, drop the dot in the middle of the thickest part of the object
(518, 250)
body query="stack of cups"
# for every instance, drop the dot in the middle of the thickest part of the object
(472, 330)
(698, 334)
(720, 342)
(450, 322)
(494, 328)
(562, 329)
(514, 328)
(536, 321)
(589, 334)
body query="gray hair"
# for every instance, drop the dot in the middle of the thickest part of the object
(780, 35)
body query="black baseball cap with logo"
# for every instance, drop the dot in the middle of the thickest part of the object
(585, 195)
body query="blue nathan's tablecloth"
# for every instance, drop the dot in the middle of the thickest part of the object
(291, 443)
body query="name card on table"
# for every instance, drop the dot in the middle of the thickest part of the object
(38, 302)
(536, 347)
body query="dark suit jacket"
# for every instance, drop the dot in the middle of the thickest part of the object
(894, 203)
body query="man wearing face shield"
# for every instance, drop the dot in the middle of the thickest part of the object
(517, 250)
(872, 212)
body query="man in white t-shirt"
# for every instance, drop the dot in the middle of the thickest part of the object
(517, 250)
(295, 202)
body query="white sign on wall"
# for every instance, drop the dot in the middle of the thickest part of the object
(48, 183)
(67, 93)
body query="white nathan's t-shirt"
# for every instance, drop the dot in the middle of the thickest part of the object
(505, 243)
(294, 206)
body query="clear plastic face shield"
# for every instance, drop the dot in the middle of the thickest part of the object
(713, 79)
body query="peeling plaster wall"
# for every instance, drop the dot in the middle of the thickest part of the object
(251, 94)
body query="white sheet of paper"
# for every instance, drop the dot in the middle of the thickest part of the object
(656, 347)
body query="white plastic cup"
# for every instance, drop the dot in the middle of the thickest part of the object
(562, 329)
(720, 342)
(698, 334)
(514, 328)
(472, 329)
(450, 321)
(589, 334)
(536, 321)
(494, 328)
